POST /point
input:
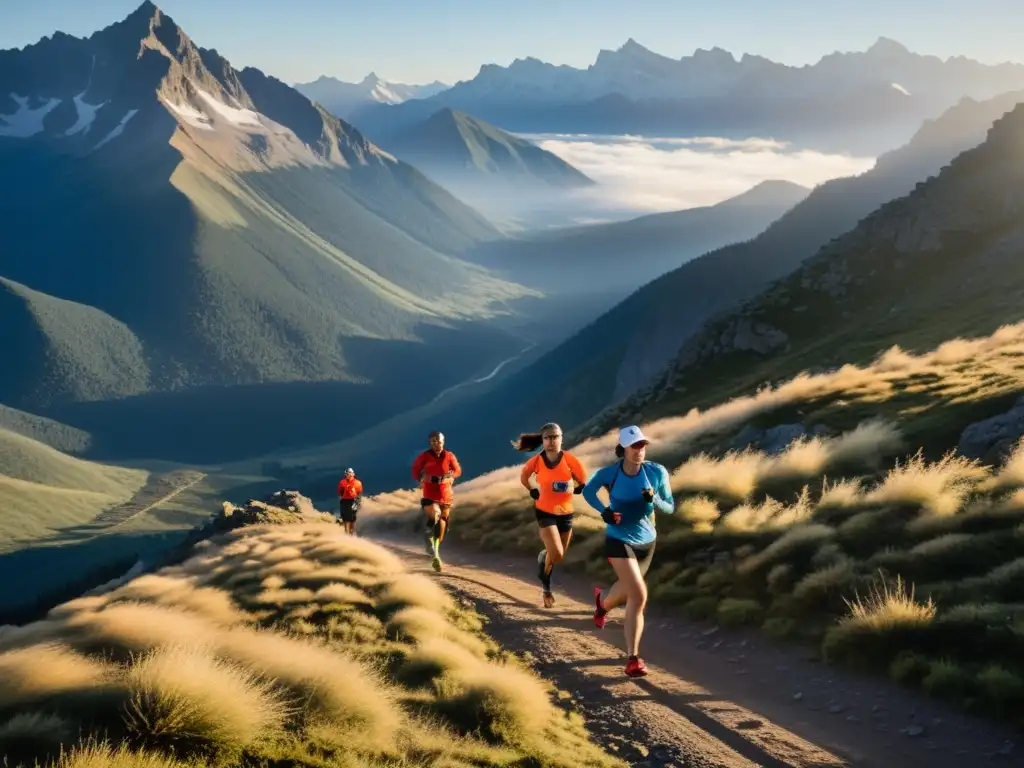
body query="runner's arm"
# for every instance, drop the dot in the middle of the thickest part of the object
(663, 501)
(417, 467)
(579, 474)
(455, 467)
(597, 480)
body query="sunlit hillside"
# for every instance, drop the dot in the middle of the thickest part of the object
(280, 643)
(809, 510)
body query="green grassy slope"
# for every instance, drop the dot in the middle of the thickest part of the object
(47, 431)
(42, 489)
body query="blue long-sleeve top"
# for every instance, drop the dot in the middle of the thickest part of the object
(625, 497)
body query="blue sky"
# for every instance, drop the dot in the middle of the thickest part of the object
(417, 41)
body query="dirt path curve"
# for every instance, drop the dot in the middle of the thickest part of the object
(713, 697)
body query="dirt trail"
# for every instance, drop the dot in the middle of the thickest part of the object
(713, 697)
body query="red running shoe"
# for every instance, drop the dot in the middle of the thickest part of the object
(599, 611)
(635, 667)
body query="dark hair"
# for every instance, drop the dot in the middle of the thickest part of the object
(531, 441)
(620, 452)
(435, 433)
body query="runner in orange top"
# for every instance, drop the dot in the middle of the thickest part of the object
(559, 475)
(350, 493)
(436, 470)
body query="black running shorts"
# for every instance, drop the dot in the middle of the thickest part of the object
(546, 519)
(617, 549)
(445, 508)
(348, 510)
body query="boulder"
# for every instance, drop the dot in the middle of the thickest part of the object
(993, 438)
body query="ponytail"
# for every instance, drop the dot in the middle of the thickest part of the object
(531, 441)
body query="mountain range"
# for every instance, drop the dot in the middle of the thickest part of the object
(865, 101)
(341, 98)
(940, 262)
(624, 364)
(190, 244)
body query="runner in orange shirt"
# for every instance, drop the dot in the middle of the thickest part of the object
(436, 470)
(350, 494)
(559, 475)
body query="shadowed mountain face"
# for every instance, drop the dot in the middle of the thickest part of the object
(500, 174)
(940, 262)
(865, 101)
(178, 229)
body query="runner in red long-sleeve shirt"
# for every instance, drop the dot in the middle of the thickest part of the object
(436, 470)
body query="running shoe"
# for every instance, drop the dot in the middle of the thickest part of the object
(599, 610)
(635, 667)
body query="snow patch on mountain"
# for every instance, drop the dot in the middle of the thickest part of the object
(117, 131)
(242, 118)
(26, 122)
(86, 115)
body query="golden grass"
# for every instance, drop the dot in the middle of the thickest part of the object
(357, 662)
(39, 672)
(889, 606)
(939, 488)
(186, 701)
(791, 537)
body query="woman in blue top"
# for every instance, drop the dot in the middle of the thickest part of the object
(636, 488)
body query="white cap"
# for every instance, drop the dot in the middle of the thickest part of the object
(630, 435)
(349, 469)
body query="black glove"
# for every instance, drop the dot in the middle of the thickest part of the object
(610, 517)
(578, 489)
(648, 494)
(535, 493)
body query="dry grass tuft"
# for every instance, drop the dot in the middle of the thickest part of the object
(324, 682)
(701, 512)
(413, 589)
(939, 488)
(420, 625)
(41, 672)
(186, 701)
(889, 607)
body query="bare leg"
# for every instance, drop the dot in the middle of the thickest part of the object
(632, 584)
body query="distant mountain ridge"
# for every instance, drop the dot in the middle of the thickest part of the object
(341, 98)
(225, 247)
(450, 140)
(939, 262)
(867, 101)
(496, 172)
(627, 254)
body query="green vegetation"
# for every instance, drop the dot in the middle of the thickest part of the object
(286, 644)
(43, 489)
(883, 556)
